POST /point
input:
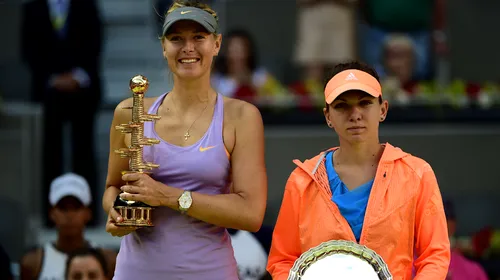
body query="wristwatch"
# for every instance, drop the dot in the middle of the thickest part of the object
(185, 201)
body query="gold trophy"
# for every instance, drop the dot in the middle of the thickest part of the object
(136, 213)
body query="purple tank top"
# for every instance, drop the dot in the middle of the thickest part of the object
(181, 247)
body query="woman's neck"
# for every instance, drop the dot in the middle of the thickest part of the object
(192, 92)
(359, 154)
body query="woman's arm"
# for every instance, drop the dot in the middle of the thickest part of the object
(116, 164)
(432, 243)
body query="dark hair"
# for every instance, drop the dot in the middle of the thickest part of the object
(357, 65)
(221, 62)
(91, 252)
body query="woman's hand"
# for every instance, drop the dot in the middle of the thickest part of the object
(115, 230)
(140, 187)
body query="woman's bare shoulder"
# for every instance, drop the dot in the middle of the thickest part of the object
(238, 110)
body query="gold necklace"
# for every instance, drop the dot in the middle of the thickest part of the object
(187, 135)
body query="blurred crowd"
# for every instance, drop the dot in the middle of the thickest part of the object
(406, 43)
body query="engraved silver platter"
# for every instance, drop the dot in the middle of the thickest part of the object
(339, 260)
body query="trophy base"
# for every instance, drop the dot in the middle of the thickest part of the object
(136, 214)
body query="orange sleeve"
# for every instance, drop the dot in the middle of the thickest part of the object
(432, 243)
(285, 247)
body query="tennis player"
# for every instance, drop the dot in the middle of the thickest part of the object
(363, 191)
(208, 143)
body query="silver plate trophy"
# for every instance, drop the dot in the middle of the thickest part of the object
(340, 260)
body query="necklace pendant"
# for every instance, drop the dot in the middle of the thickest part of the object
(186, 136)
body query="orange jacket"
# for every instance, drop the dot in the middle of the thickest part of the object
(405, 211)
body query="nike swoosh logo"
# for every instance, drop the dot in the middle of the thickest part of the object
(185, 12)
(206, 148)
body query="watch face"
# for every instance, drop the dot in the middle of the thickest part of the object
(185, 200)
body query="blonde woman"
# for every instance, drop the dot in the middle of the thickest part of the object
(211, 155)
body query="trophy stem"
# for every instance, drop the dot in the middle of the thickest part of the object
(137, 132)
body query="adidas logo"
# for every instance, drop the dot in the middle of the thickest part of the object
(350, 77)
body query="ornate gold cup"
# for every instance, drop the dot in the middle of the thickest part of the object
(136, 213)
(340, 259)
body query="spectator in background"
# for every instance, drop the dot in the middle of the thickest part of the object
(422, 20)
(461, 268)
(251, 251)
(326, 36)
(69, 197)
(237, 73)
(398, 59)
(5, 265)
(87, 263)
(61, 43)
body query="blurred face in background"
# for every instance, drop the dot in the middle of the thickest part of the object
(238, 54)
(85, 268)
(399, 62)
(70, 216)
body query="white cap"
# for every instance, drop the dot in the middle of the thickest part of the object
(70, 184)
